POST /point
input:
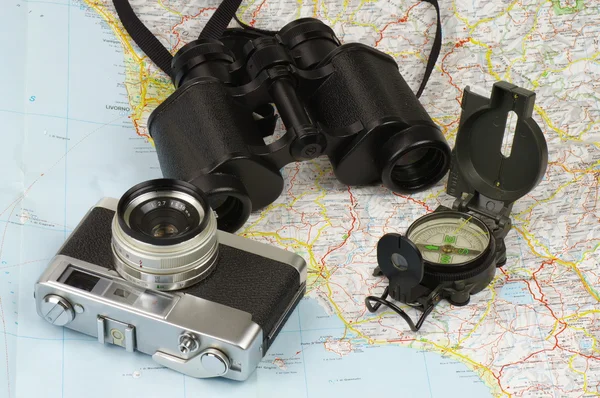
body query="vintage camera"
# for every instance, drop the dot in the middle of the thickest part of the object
(151, 273)
(348, 102)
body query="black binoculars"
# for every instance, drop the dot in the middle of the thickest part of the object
(348, 102)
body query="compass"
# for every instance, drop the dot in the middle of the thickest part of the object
(449, 253)
(452, 253)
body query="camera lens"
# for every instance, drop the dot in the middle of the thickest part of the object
(161, 230)
(164, 235)
(162, 214)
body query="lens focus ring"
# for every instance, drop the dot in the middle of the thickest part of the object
(164, 258)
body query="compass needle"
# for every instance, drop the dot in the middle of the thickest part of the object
(422, 247)
(450, 238)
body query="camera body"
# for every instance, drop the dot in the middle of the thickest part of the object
(221, 325)
(346, 101)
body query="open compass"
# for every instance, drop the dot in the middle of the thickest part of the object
(450, 239)
(452, 253)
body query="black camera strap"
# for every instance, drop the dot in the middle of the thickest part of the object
(216, 26)
(140, 34)
(435, 48)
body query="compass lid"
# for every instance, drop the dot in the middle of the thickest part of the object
(401, 262)
(478, 166)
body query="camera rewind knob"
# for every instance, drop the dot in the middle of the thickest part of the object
(57, 310)
(188, 343)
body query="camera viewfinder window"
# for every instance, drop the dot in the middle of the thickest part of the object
(82, 281)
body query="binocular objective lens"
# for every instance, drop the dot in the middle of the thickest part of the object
(229, 210)
(417, 167)
(411, 157)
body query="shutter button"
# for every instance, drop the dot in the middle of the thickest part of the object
(214, 362)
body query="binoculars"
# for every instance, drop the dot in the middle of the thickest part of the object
(348, 102)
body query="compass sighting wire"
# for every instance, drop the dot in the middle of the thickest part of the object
(382, 301)
(462, 224)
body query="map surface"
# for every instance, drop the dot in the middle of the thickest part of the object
(75, 96)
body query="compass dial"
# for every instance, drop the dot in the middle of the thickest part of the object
(449, 238)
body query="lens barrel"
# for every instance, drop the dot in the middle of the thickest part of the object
(164, 235)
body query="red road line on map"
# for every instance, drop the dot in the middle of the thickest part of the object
(542, 299)
(201, 11)
(581, 354)
(5, 345)
(539, 352)
(414, 201)
(450, 80)
(255, 13)
(137, 128)
(292, 179)
(400, 20)
(461, 42)
(174, 31)
(185, 18)
(544, 263)
(349, 232)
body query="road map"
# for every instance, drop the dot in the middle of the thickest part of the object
(75, 95)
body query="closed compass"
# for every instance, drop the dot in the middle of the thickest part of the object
(453, 253)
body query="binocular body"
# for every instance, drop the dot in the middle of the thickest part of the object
(348, 102)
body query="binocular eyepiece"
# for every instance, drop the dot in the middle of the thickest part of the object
(348, 102)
